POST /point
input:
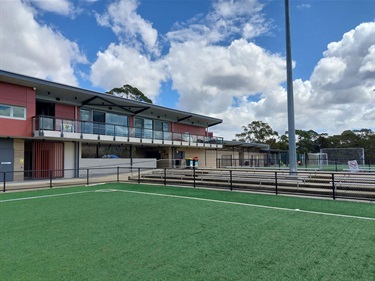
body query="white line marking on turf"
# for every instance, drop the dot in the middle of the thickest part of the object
(95, 184)
(191, 198)
(106, 190)
(54, 195)
(250, 205)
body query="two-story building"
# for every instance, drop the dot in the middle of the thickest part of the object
(48, 126)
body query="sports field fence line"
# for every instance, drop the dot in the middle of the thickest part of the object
(349, 185)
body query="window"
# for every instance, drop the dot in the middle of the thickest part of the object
(10, 111)
(117, 125)
(104, 123)
(161, 130)
(148, 128)
(99, 122)
(86, 124)
(138, 124)
(106, 151)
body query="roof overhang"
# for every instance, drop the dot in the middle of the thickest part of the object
(261, 146)
(56, 92)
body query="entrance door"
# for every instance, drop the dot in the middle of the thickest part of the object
(6, 159)
(47, 110)
(178, 158)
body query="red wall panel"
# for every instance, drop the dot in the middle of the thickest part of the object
(193, 130)
(19, 96)
(64, 111)
(48, 156)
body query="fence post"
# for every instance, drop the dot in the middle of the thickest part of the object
(194, 177)
(139, 175)
(87, 176)
(118, 174)
(336, 164)
(50, 178)
(165, 176)
(5, 173)
(231, 184)
(276, 184)
(333, 187)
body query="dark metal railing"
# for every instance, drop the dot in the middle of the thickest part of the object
(349, 185)
(264, 161)
(47, 123)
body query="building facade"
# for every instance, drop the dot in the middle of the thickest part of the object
(49, 129)
(47, 126)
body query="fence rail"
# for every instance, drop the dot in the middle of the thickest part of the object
(265, 161)
(349, 185)
(43, 124)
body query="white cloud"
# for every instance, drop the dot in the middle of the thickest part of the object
(211, 62)
(339, 95)
(62, 7)
(120, 65)
(303, 6)
(329, 70)
(236, 8)
(129, 61)
(199, 70)
(214, 75)
(33, 49)
(346, 73)
(227, 20)
(122, 17)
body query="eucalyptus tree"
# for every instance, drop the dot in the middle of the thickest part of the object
(129, 92)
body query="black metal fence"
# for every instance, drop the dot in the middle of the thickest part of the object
(34, 179)
(276, 162)
(349, 185)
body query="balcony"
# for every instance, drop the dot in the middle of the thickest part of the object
(47, 127)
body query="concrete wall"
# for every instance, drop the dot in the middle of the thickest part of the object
(211, 158)
(102, 166)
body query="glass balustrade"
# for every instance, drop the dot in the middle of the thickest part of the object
(48, 123)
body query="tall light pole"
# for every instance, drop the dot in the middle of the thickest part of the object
(290, 97)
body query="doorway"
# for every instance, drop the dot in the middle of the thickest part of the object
(6, 159)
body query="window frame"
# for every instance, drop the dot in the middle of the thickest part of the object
(11, 113)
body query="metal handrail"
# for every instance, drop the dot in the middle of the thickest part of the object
(64, 125)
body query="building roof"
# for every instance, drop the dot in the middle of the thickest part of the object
(261, 146)
(58, 92)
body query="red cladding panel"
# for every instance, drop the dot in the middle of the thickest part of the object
(193, 130)
(19, 96)
(48, 156)
(64, 111)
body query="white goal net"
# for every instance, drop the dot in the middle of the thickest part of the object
(318, 159)
(343, 155)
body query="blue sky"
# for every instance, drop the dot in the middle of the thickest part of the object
(221, 58)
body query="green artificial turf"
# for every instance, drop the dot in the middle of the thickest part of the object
(130, 236)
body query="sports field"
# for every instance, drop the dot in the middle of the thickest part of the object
(139, 232)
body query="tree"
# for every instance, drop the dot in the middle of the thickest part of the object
(129, 92)
(306, 139)
(321, 142)
(310, 141)
(283, 143)
(258, 132)
(367, 141)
